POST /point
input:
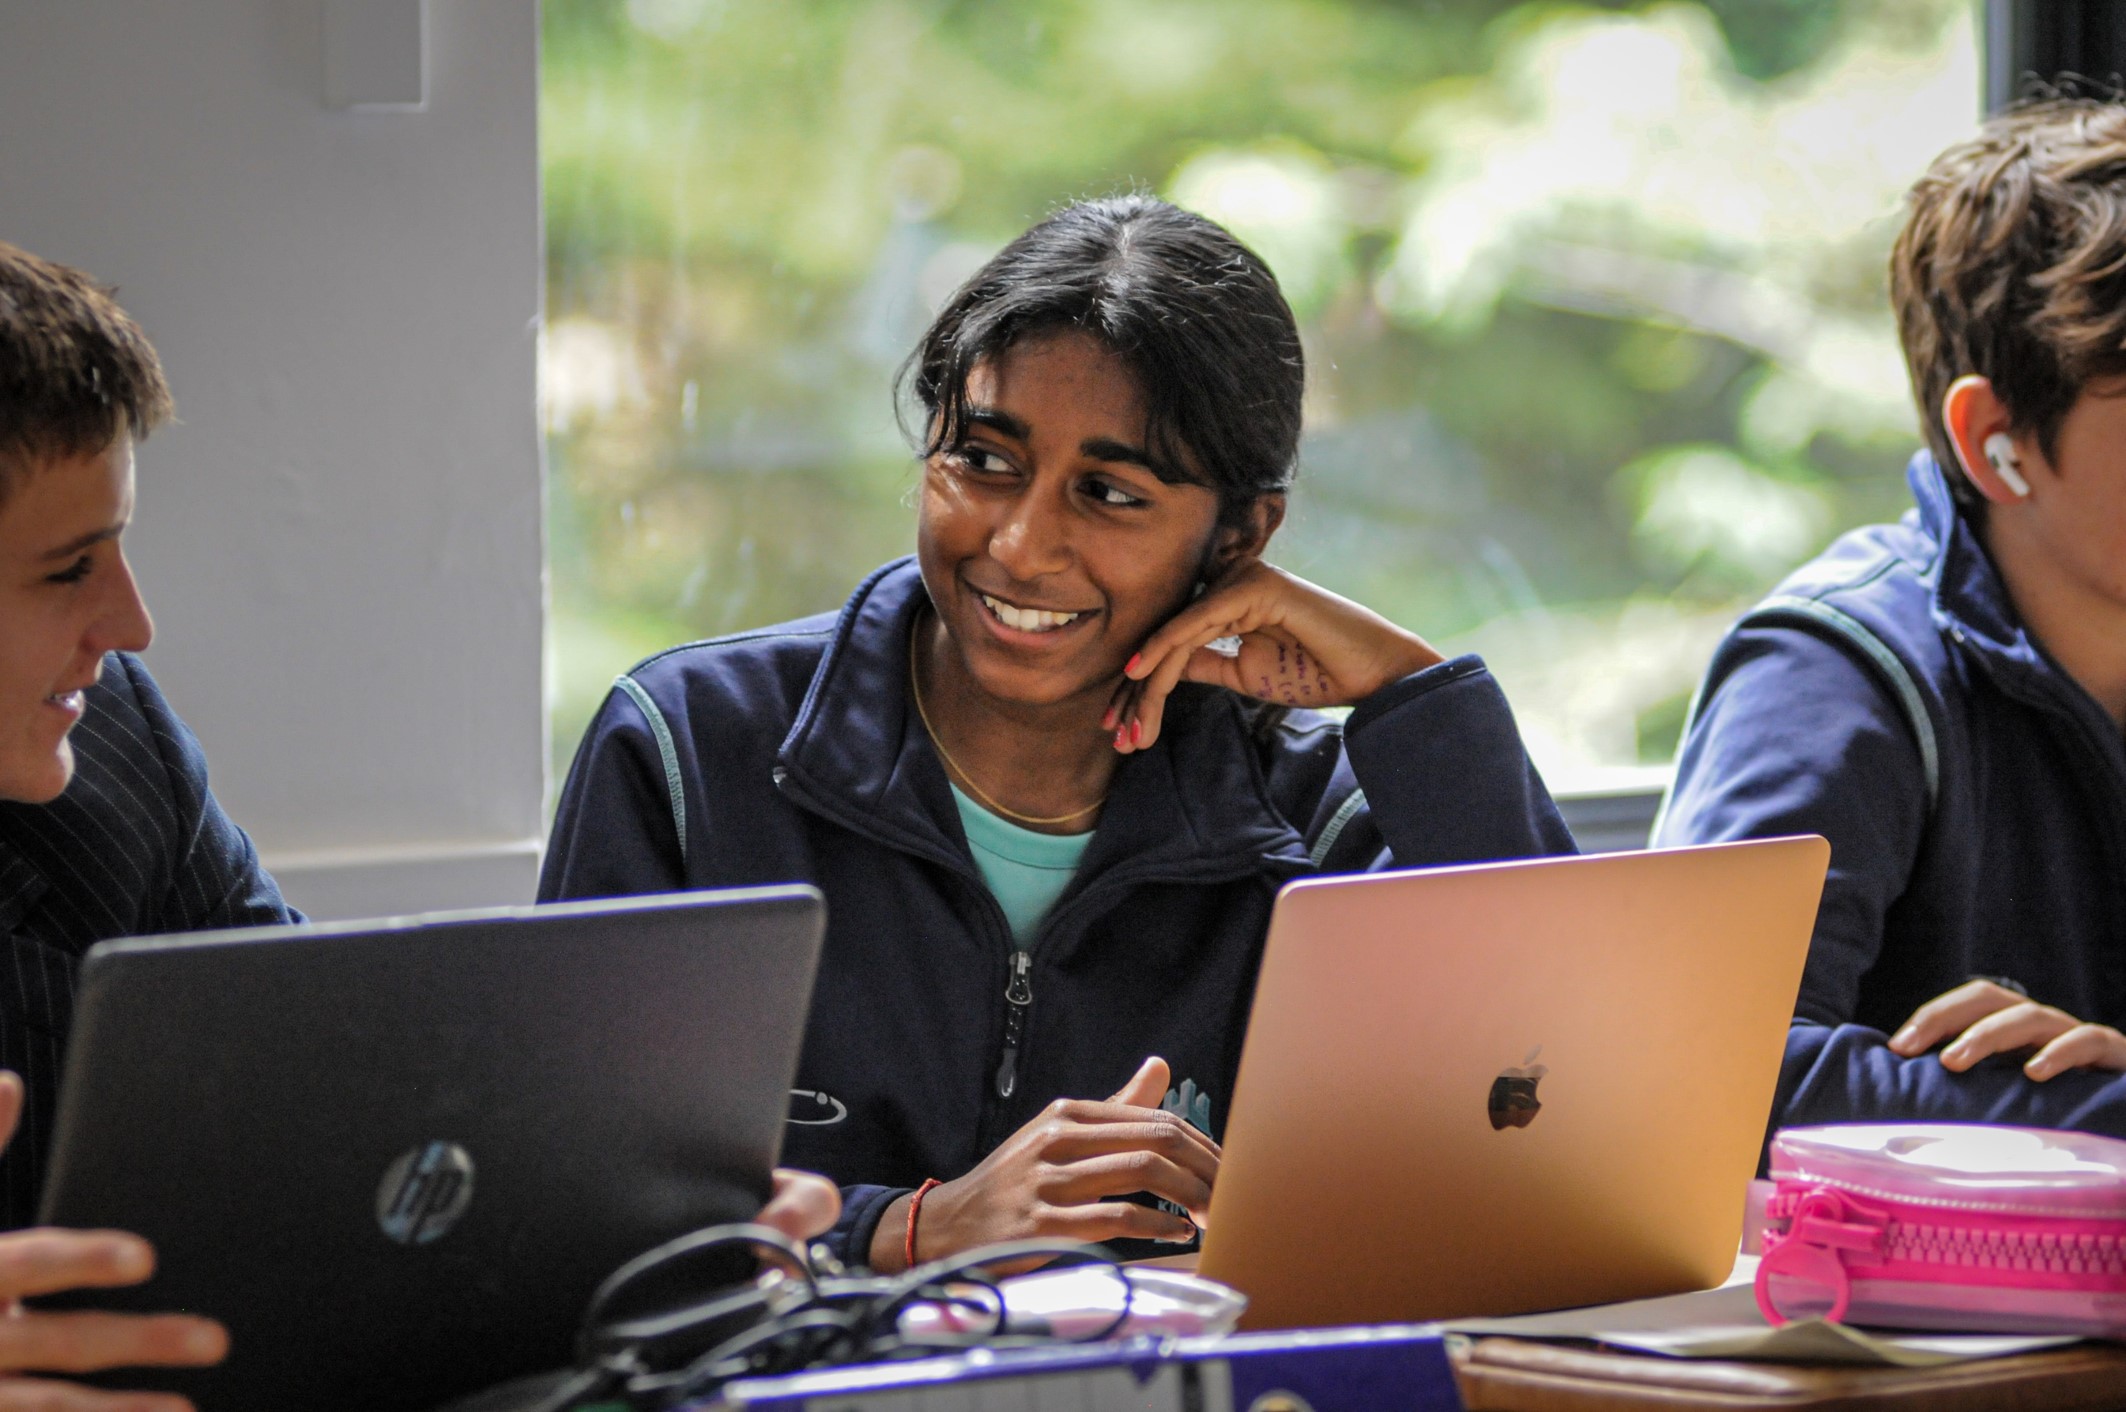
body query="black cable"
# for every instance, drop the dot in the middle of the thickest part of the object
(654, 1338)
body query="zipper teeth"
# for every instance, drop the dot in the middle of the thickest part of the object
(1919, 1242)
(2049, 1251)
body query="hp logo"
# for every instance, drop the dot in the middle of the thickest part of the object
(424, 1192)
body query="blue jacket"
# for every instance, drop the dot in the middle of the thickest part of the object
(1887, 697)
(791, 754)
(136, 846)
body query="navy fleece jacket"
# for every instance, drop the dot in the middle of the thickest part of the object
(1887, 697)
(792, 754)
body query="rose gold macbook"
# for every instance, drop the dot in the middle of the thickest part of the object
(1516, 1086)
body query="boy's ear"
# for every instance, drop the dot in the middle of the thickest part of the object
(1251, 536)
(1973, 414)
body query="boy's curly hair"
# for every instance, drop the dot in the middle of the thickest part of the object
(2012, 265)
(75, 371)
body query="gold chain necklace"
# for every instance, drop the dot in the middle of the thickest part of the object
(915, 687)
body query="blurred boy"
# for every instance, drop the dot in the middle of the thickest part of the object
(106, 824)
(1944, 698)
(107, 827)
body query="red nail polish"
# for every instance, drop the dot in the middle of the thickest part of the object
(1119, 738)
(1136, 732)
(1131, 664)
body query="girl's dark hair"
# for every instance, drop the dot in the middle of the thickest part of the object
(1194, 314)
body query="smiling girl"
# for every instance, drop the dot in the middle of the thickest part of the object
(1051, 772)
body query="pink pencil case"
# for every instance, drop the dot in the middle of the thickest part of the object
(1945, 1226)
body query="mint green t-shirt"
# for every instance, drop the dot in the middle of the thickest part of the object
(1026, 870)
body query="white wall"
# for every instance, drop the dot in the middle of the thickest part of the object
(342, 543)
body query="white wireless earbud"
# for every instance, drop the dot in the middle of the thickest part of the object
(2000, 454)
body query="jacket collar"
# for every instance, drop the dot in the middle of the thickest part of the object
(1192, 806)
(1970, 602)
(1971, 605)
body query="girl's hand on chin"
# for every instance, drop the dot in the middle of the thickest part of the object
(1300, 645)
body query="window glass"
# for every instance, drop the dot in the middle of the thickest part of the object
(1594, 298)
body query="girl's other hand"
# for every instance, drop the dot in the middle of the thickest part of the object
(1300, 645)
(1063, 1177)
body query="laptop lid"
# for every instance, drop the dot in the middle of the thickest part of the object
(396, 1158)
(1487, 1090)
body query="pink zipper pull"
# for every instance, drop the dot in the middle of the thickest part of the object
(1826, 1224)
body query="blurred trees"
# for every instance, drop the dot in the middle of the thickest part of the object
(1597, 328)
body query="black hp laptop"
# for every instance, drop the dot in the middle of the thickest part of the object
(396, 1158)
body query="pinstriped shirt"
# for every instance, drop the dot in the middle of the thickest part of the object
(136, 846)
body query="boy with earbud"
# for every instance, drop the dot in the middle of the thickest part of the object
(1944, 698)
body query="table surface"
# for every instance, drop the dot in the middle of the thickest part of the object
(1520, 1375)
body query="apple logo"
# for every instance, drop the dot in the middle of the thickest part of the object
(1513, 1101)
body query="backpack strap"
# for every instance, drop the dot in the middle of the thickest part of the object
(666, 751)
(1815, 615)
(1821, 616)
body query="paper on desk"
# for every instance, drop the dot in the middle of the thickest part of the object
(1724, 1323)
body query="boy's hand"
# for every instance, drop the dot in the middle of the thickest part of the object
(1988, 1018)
(1299, 645)
(1062, 1177)
(46, 1261)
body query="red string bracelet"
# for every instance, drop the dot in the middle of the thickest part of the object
(915, 1209)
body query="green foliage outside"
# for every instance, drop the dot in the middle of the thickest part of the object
(1598, 335)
